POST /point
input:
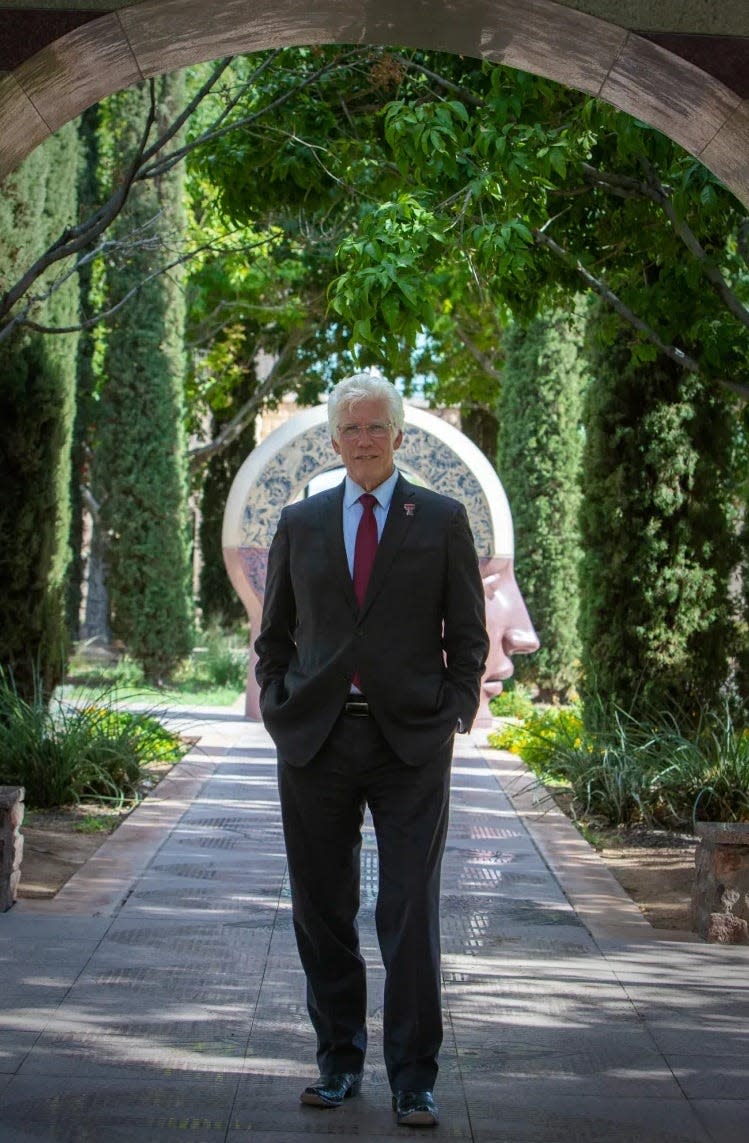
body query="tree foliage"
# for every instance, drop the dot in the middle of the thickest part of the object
(391, 207)
(659, 534)
(446, 182)
(36, 412)
(217, 600)
(540, 449)
(139, 468)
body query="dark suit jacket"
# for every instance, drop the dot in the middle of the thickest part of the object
(419, 642)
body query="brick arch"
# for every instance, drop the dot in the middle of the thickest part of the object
(147, 38)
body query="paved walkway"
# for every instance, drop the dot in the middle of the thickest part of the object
(158, 996)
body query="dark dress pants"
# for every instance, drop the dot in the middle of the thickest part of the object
(323, 807)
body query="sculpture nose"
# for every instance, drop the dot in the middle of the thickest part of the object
(520, 641)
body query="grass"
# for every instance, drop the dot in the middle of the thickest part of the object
(92, 751)
(92, 823)
(186, 695)
(214, 675)
(593, 836)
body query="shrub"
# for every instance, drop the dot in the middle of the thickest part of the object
(221, 661)
(543, 739)
(512, 702)
(643, 768)
(125, 672)
(63, 754)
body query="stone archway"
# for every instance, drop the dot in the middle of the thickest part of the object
(433, 452)
(704, 108)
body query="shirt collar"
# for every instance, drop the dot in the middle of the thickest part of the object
(383, 493)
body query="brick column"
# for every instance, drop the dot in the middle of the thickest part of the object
(720, 896)
(11, 843)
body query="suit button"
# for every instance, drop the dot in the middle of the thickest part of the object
(360, 631)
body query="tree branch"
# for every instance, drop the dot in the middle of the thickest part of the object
(277, 377)
(690, 240)
(110, 247)
(744, 240)
(652, 188)
(625, 185)
(599, 287)
(465, 95)
(76, 238)
(478, 355)
(211, 134)
(104, 315)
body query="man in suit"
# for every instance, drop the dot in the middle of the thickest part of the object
(370, 656)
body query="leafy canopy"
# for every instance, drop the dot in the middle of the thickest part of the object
(441, 185)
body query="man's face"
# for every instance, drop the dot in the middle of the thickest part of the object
(368, 452)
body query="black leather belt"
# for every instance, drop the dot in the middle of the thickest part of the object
(357, 706)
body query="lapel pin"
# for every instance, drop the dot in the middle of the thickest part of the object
(409, 509)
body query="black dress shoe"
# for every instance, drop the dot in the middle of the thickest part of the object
(330, 1091)
(416, 1108)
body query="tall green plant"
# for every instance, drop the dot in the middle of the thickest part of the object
(62, 753)
(658, 534)
(219, 603)
(637, 768)
(36, 413)
(140, 468)
(540, 446)
(86, 384)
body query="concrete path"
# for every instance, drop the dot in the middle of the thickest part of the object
(158, 996)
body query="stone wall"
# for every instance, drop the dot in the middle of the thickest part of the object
(11, 843)
(720, 898)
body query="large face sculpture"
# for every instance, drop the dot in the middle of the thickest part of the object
(432, 452)
(507, 622)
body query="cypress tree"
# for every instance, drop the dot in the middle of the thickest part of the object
(85, 393)
(219, 603)
(540, 445)
(658, 534)
(36, 412)
(140, 457)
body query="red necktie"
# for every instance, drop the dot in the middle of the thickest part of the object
(365, 549)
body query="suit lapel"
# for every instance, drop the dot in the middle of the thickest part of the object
(397, 526)
(331, 523)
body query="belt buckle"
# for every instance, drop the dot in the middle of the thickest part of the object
(358, 707)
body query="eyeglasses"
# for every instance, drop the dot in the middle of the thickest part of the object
(376, 430)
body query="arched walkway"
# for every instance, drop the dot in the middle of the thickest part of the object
(604, 57)
(159, 996)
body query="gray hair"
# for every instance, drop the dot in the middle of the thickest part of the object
(358, 387)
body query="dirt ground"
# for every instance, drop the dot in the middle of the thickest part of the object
(56, 843)
(654, 867)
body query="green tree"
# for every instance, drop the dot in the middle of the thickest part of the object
(36, 412)
(139, 468)
(540, 448)
(217, 599)
(445, 182)
(85, 389)
(659, 533)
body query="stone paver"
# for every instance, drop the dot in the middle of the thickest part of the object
(159, 996)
